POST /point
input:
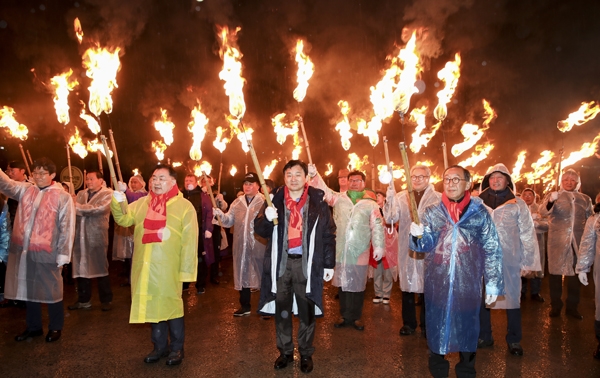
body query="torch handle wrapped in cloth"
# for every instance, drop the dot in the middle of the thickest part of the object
(210, 193)
(25, 159)
(113, 177)
(413, 204)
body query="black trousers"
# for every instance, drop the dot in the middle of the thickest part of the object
(536, 285)
(84, 287)
(440, 367)
(573, 288)
(245, 296)
(2, 276)
(56, 312)
(514, 331)
(174, 328)
(293, 284)
(351, 304)
(409, 310)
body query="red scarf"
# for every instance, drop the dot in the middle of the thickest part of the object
(456, 208)
(156, 217)
(295, 224)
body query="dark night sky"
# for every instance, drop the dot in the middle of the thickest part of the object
(535, 61)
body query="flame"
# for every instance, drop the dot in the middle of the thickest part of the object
(585, 113)
(481, 152)
(283, 130)
(102, 66)
(586, 150)
(244, 138)
(419, 141)
(135, 171)
(200, 169)
(91, 122)
(220, 143)
(15, 129)
(306, 68)
(329, 169)
(297, 148)
(232, 70)
(177, 164)
(357, 163)
(197, 128)
(490, 114)
(411, 69)
(516, 172)
(95, 145)
(233, 170)
(77, 145)
(472, 134)
(269, 168)
(449, 75)
(159, 149)
(165, 127)
(397, 171)
(541, 166)
(62, 86)
(78, 30)
(344, 126)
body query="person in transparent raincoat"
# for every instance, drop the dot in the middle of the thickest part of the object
(5, 230)
(520, 253)
(41, 243)
(410, 263)
(165, 255)
(541, 228)
(359, 225)
(588, 254)
(248, 249)
(91, 242)
(462, 252)
(567, 211)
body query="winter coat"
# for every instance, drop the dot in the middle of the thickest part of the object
(410, 263)
(460, 258)
(589, 253)
(318, 240)
(204, 216)
(91, 234)
(158, 269)
(566, 221)
(42, 238)
(248, 251)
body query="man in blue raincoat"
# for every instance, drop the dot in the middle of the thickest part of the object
(462, 251)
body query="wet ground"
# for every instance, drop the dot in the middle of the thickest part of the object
(104, 344)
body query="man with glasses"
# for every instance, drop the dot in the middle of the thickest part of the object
(462, 252)
(359, 224)
(410, 263)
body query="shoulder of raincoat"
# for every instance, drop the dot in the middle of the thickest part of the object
(4, 233)
(589, 249)
(318, 243)
(12, 189)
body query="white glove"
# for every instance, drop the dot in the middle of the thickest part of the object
(207, 234)
(416, 229)
(489, 299)
(312, 170)
(583, 278)
(328, 275)
(553, 196)
(377, 254)
(62, 260)
(119, 196)
(121, 186)
(218, 213)
(271, 213)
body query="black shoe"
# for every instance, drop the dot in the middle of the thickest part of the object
(358, 325)
(515, 349)
(306, 364)
(282, 361)
(537, 298)
(200, 290)
(155, 356)
(554, 313)
(7, 303)
(406, 330)
(27, 334)
(241, 312)
(481, 343)
(215, 281)
(53, 336)
(175, 358)
(340, 323)
(597, 352)
(575, 314)
(266, 317)
(106, 306)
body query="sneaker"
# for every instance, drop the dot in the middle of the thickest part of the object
(80, 306)
(201, 291)
(386, 300)
(241, 312)
(377, 300)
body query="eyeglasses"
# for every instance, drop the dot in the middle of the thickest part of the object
(418, 178)
(454, 180)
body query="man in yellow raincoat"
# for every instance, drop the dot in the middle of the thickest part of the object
(165, 255)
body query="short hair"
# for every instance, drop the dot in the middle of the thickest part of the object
(420, 166)
(16, 164)
(357, 173)
(168, 167)
(97, 173)
(45, 164)
(466, 173)
(191, 175)
(572, 172)
(293, 163)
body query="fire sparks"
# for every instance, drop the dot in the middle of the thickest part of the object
(233, 170)
(329, 169)
(490, 114)
(95, 146)
(77, 145)
(419, 141)
(200, 169)
(344, 125)
(586, 150)
(472, 134)
(516, 172)
(159, 149)
(165, 127)
(63, 85)
(481, 152)
(269, 168)
(7, 120)
(102, 66)
(220, 142)
(78, 30)
(449, 75)
(306, 68)
(198, 130)
(585, 113)
(232, 71)
(356, 163)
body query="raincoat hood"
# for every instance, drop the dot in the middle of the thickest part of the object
(571, 172)
(485, 183)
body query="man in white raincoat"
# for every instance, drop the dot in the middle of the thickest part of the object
(41, 243)
(520, 253)
(91, 242)
(567, 211)
(248, 251)
(359, 224)
(410, 263)
(541, 228)
(165, 255)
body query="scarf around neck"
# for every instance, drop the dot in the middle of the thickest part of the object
(455, 209)
(295, 223)
(156, 217)
(355, 196)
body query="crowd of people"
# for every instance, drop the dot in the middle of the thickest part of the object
(459, 254)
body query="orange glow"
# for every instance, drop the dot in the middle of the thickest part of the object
(232, 70)
(408, 77)
(329, 169)
(78, 30)
(490, 114)
(233, 170)
(102, 66)
(135, 171)
(220, 142)
(585, 113)
(197, 127)
(344, 125)
(356, 163)
(516, 172)
(449, 75)
(472, 134)
(159, 149)
(202, 167)
(63, 85)
(481, 152)
(177, 164)
(77, 145)
(540, 167)
(306, 68)
(91, 122)
(7, 120)
(417, 115)
(269, 168)
(586, 150)
(283, 130)
(165, 127)
(95, 145)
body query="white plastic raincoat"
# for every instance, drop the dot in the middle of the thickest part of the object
(248, 249)
(91, 235)
(589, 253)
(410, 263)
(358, 226)
(541, 228)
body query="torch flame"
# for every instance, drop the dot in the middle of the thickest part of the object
(541, 166)
(233, 170)
(481, 152)
(220, 142)
(406, 86)
(490, 114)
(159, 149)
(177, 164)
(344, 125)
(283, 130)
(15, 129)
(95, 145)
(91, 122)
(102, 66)
(269, 168)
(197, 128)
(472, 134)
(135, 171)
(77, 145)
(306, 68)
(586, 150)
(585, 113)
(165, 127)
(202, 167)
(449, 75)
(62, 86)
(357, 163)
(232, 71)
(329, 169)
(516, 172)
(417, 115)
(78, 30)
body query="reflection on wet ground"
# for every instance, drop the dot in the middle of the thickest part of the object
(104, 344)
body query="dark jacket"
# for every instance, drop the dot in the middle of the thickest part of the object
(323, 248)
(204, 214)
